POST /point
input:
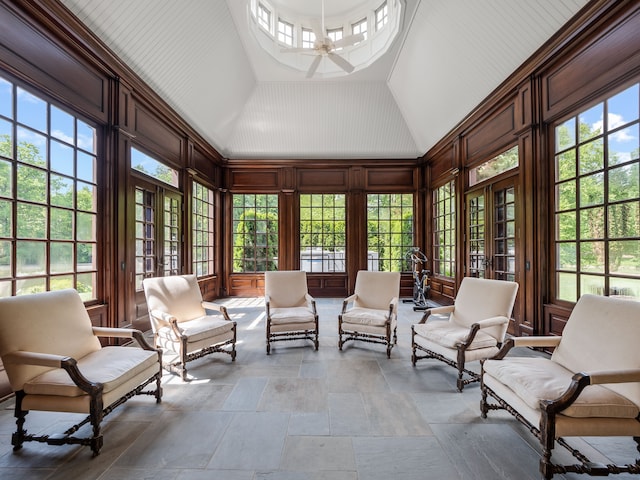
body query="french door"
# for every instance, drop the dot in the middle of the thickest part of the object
(158, 241)
(491, 233)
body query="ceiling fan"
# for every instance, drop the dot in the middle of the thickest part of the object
(323, 46)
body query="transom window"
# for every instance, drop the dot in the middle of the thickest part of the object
(264, 17)
(390, 231)
(382, 16)
(597, 200)
(285, 32)
(48, 197)
(504, 162)
(142, 162)
(203, 230)
(444, 230)
(255, 232)
(335, 34)
(308, 38)
(322, 232)
(360, 27)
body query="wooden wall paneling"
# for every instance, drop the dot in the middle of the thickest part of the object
(322, 180)
(609, 55)
(524, 108)
(555, 318)
(288, 240)
(491, 134)
(328, 285)
(209, 288)
(400, 179)
(253, 179)
(246, 285)
(153, 133)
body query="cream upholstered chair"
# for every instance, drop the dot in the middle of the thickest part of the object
(475, 329)
(590, 386)
(371, 313)
(291, 311)
(55, 362)
(185, 324)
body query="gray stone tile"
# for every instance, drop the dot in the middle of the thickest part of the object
(294, 395)
(394, 414)
(347, 414)
(309, 424)
(253, 441)
(312, 454)
(246, 394)
(355, 375)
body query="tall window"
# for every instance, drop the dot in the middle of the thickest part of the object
(264, 17)
(322, 232)
(203, 234)
(382, 15)
(444, 230)
(597, 200)
(334, 34)
(390, 231)
(255, 232)
(360, 27)
(308, 38)
(48, 197)
(285, 32)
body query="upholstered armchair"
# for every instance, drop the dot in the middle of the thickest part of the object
(371, 313)
(185, 324)
(55, 362)
(290, 310)
(474, 327)
(589, 386)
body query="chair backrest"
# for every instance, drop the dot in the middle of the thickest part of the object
(376, 289)
(482, 298)
(286, 288)
(50, 322)
(601, 334)
(178, 295)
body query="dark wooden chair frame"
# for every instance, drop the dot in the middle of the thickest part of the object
(293, 334)
(389, 339)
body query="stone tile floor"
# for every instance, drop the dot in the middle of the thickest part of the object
(299, 414)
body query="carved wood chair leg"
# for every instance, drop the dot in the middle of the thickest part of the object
(637, 440)
(95, 415)
(17, 439)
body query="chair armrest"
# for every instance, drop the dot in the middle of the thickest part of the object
(217, 308)
(68, 364)
(311, 302)
(436, 311)
(137, 335)
(580, 381)
(267, 303)
(537, 341)
(347, 301)
(492, 322)
(162, 317)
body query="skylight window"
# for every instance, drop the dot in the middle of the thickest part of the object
(285, 32)
(264, 17)
(382, 16)
(360, 27)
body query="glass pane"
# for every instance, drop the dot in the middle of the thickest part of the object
(566, 134)
(567, 287)
(86, 226)
(591, 156)
(61, 158)
(31, 221)
(592, 223)
(566, 253)
(5, 219)
(5, 288)
(623, 107)
(624, 145)
(32, 147)
(592, 284)
(86, 167)
(152, 167)
(6, 98)
(86, 286)
(86, 256)
(624, 220)
(31, 285)
(592, 190)
(497, 165)
(61, 282)
(86, 137)
(6, 175)
(566, 195)
(566, 165)
(592, 257)
(32, 111)
(6, 139)
(61, 224)
(87, 197)
(624, 182)
(61, 191)
(628, 288)
(566, 226)
(62, 125)
(32, 184)
(61, 255)
(30, 258)
(624, 257)
(590, 122)
(5, 259)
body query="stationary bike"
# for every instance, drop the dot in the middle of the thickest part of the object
(420, 278)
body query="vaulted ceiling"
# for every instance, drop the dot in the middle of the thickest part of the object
(200, 56)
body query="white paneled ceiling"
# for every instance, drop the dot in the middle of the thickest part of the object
(200, 56)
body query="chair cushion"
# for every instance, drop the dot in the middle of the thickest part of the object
(535, 379)
(366, 316)
(450, 335)
(281, 316)
(199, 328)
(111, 366)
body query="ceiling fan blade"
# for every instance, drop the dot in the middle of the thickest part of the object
(297, 50)
(314, 66)
(317, 30)
(349, 40)
(341, 62)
